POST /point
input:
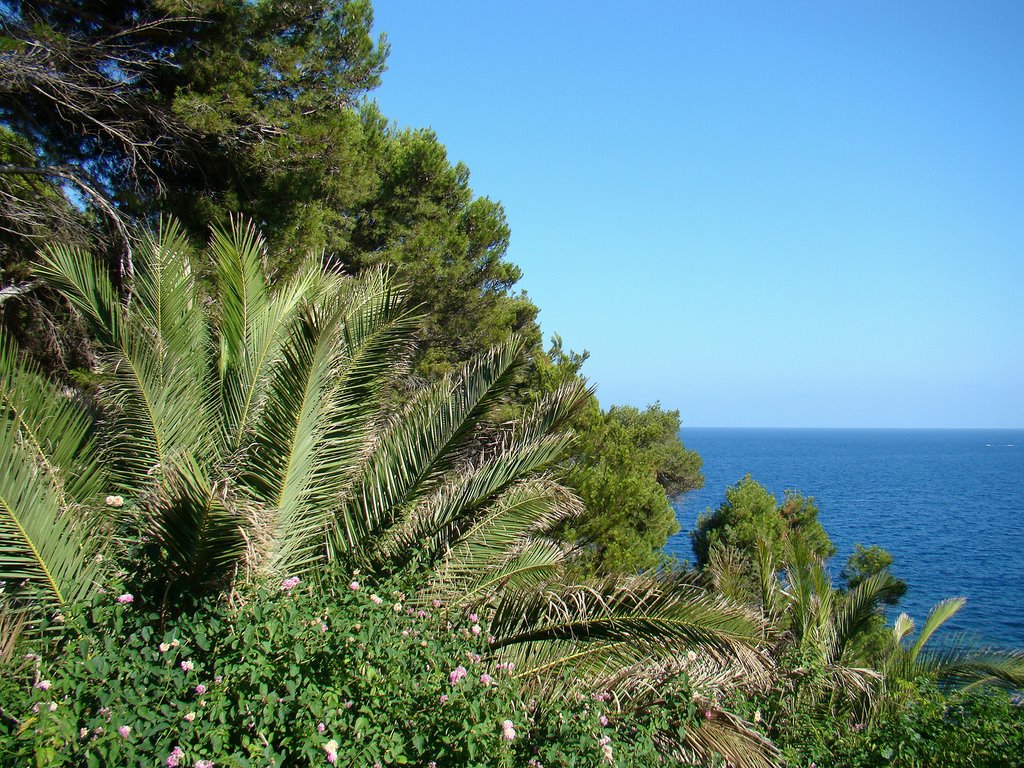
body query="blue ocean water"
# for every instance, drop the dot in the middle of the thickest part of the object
(947, 504)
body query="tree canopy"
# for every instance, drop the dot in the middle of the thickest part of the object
(751, 514)
(206, 109)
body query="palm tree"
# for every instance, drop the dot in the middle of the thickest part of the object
(959, 663)
(250, 431)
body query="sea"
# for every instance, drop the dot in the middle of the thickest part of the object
(947, 504)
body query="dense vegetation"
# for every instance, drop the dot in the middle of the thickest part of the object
(310, 489)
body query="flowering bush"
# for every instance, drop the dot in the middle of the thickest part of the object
(292, 674)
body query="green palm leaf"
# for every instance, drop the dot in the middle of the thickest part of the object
(427, 441)
(43, 547)
(319, 415)
(48, 472)
(501, 548)
(623, 621)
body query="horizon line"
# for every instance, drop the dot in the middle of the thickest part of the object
(876, 428)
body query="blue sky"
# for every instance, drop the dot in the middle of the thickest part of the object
(763, 214)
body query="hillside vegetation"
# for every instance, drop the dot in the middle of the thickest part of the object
(288, 476)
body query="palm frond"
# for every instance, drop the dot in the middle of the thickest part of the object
(87, 286)
(196, 522)
(438, 523)
(855, 613)
(54, 427)
(503, 549)
(48, 471)
(152, 385)
(962, 663)
(902, 627)
(586, 629)
(319, 413)
(44, 548)
(252, 327)
(425, 443)
(940, 613)
(239, 256)
(722, 736)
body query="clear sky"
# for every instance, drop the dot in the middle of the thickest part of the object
(760, 213)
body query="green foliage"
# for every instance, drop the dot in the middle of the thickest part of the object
(965, 730)
(751, 514)
(288, 675)
(252, 437)
(628, 466)
(254, 431)
(225, 107)
(865, 562)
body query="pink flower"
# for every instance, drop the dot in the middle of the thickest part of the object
(126, 598)
(436, 603)
(376, 600)
(187, 665)
(172, 759)
(603, 720)
(203, 764)
(331, 749)
(508, 730)
(164, 647)
(290, 583)
(444, 698)
(485, 679)
(354, 586)
(421, 614)
(397, 607)
(323, 627)
(125, 731)
(200, 689)
(473, 618)
(320, 727)
(707, 714)
(457, 674)
(475, 629)
(44, 685)
(114, 501)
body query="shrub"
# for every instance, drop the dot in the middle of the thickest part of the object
(340, 672)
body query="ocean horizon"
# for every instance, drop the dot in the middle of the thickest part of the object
(948, 504)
